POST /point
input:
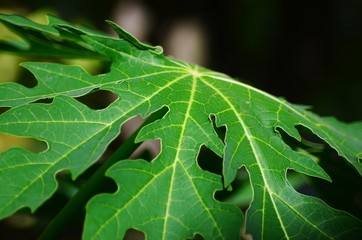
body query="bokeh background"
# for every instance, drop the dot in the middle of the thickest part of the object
(309, 52)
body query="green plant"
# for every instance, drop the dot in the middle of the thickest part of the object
(186, 106)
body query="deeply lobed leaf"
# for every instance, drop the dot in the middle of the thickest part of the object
(170, 197)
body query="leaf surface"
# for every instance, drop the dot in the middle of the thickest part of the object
(170, 197)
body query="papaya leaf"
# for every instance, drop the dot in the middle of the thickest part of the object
(170, 197)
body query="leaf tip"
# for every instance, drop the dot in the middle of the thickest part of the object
(123, 34)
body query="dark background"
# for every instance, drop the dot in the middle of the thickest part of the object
(309, 52)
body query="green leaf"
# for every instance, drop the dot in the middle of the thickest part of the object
(170, 197)
(127, 36)
(49, 41)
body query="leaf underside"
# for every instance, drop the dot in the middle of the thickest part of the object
(170, 197)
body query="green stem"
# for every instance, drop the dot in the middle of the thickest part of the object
(90, 188)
